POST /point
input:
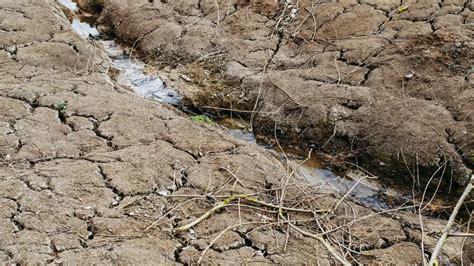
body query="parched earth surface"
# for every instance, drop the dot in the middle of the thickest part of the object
(87, 167)
(387, 82)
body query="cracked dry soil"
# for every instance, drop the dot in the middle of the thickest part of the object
(386, 82)
(86, 167)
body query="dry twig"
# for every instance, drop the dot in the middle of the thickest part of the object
(442, 239)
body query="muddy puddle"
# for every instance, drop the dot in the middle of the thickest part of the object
(131, 73)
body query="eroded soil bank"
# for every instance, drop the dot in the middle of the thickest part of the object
(386, 83)
(86, 169)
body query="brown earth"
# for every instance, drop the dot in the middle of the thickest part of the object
(389, 84)
(86, 167)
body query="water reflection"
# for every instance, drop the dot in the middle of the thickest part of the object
(132, 75)
(131, 72)
(238, 128)
(69, 4)
(355, 184)
(243, 135)
(84, 29)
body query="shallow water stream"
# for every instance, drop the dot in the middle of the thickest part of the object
(364, 188)
(131, 74)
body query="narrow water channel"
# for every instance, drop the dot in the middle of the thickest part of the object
(131, 74)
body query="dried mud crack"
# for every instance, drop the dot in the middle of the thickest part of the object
(382, 83)
(86, 168)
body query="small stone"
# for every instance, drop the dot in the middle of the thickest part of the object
(293, 13)
(163, 193)
(115, 203)
(12, 49)
(171, 187)
(186, 78)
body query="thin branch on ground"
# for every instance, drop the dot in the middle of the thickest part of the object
(321, 239)
(219, 236)
(442, 239)
(228, 201)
